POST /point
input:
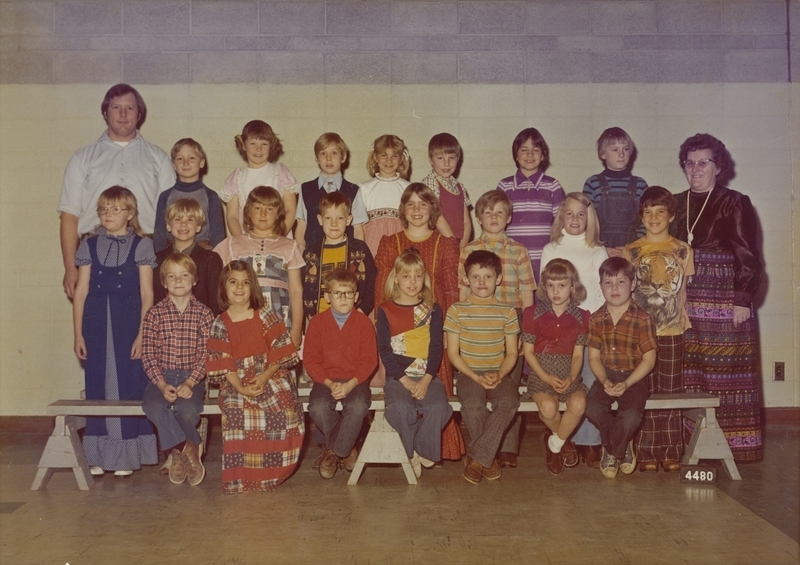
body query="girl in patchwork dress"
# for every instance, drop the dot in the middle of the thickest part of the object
(114, 291)
(388, 164)
(275, 259)
(249, 354)
(553, 334)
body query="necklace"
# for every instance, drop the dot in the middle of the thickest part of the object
(689, 230)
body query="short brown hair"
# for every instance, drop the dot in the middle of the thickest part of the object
(559, 270)
(425, 194)
(258, 129)
(267, 196)
(334, 199)
(483, 259)
(658, 196)
(188, 207)
(121, 90)
(256, 296)
(340, 276)
(187, 142)
(445, 143)
(488, 200)
(614, 135)
(330, 138)
(180, 260)
(613, 266)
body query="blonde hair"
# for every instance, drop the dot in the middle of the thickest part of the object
(188, 207)
(409, 261)
(267, 196)
(180, 260)
(124, 198)
(381, 144)
(330, 138)
(592, 234)
(559, 270)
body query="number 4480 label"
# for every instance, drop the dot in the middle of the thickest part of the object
(697, 474)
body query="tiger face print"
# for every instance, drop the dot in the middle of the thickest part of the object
(659, 277)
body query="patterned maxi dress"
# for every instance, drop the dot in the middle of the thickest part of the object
(440, 255)
(261, 436)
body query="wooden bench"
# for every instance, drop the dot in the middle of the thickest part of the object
(382, 444)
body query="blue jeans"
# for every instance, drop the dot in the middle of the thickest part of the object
(340, 430)
(176, 422)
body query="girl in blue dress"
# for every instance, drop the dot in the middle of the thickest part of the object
(114, 291)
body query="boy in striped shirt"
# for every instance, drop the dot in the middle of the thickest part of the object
(482, 346)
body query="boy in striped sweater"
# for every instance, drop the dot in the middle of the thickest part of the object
(482, 346)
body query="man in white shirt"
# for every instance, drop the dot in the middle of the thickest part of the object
(121, 157)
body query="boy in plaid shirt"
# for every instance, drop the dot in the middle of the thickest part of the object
(622, 352)
(174, 336)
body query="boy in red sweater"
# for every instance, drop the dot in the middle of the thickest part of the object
(340, 353)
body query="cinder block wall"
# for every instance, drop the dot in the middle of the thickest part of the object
(481, 70)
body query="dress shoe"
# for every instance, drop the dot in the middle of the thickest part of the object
(670, 465)
(473, 471)
(648, 467)
(492, 473)
(553, 461)
(569, 454)
(350, 461)
(507, 459)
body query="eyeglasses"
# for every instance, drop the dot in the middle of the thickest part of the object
(701, 164)
(337, 294)
(113, 210)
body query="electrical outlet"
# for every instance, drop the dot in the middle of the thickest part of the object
(779, 373)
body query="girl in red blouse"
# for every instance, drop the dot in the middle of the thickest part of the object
(554, 334)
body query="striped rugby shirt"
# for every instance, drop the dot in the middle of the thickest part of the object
(482, 325)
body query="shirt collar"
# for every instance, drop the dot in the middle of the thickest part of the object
(322, 181)
(520, 179)
(488, 241)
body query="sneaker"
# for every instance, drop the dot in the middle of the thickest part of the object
(177, 472)
(569, 454)
(473, 471)
(416, 465)
(329, 464)
(350, 461)
(96, 471)
(608, 465)
(492, 473)
(628, 464)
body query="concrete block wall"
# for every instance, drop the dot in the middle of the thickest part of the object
(397, 42)
(481, 70)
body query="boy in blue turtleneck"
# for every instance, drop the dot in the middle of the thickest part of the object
(615, 192)
(188, 160)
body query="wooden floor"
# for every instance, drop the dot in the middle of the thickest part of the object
(527, 516)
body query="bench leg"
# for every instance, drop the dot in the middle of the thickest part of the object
(709, 441)
(382, 445)
(63, 450)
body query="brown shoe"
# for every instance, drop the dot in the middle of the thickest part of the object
(318, 459)
(592, 456)
(569, 454)
(329, 464)
(350, 461)
(195, 471)
(670, 465)
(473, 471)
(553, 461)
(648, 467)
(492, 473)
(177, 471)
(507, 459)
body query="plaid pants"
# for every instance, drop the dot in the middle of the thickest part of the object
(661, 435)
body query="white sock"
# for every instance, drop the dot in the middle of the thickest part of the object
(555, 443)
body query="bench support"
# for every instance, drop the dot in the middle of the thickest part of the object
(64, 449)
(382, 445)
(709, 441)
